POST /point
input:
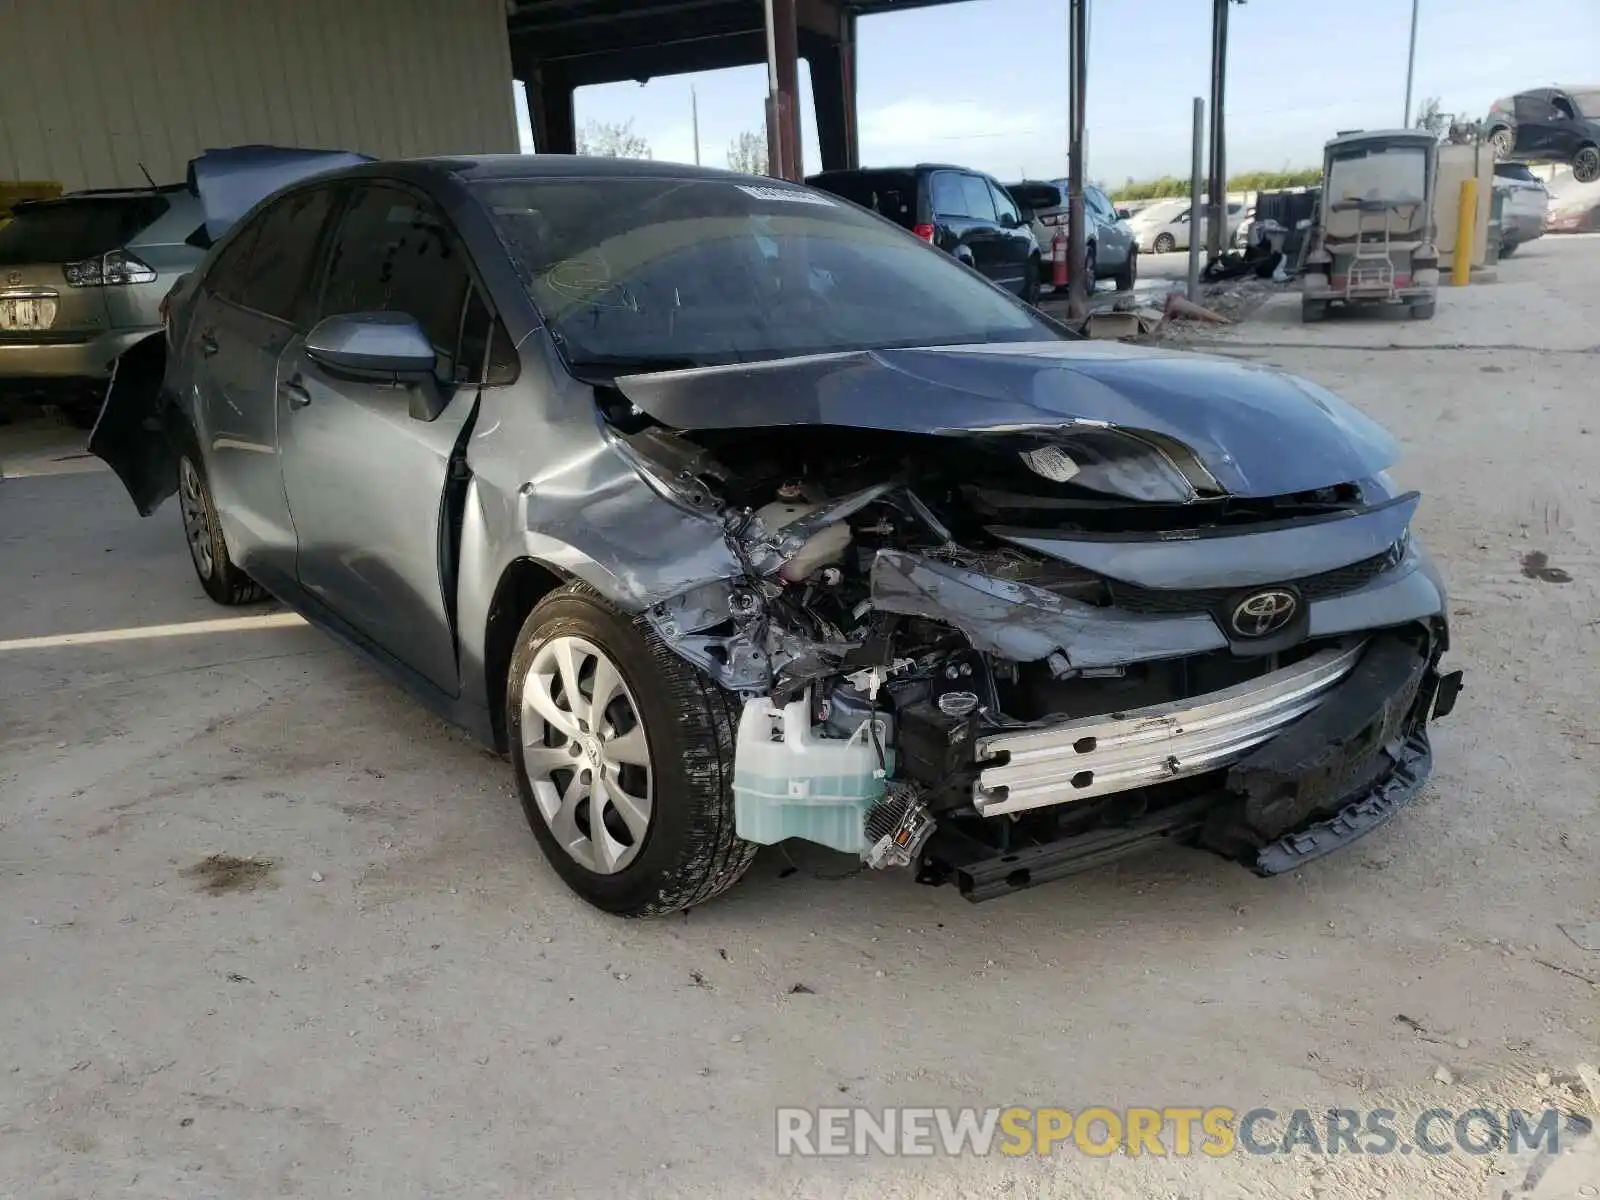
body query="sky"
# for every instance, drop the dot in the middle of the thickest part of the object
(983, 82)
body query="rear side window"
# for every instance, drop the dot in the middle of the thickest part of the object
(396, 253)
(1003, 205)
(891, 194)
(948, 198)
(228, 274)
(276, 274)
(76, 227)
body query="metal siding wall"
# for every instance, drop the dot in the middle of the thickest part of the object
(92, 88)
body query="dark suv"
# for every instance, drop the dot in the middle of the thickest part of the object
(962, 211)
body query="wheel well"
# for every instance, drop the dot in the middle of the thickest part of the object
(522, 585)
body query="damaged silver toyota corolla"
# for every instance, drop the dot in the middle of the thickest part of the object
(734, 514)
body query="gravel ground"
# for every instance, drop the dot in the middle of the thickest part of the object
(379, 990)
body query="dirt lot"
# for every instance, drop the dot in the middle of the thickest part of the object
(268, 930)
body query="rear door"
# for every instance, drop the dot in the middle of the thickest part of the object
(255, 309)
(366, 481)
(53, 279)
(1567, 131)
(1536, 114)
(965, 221)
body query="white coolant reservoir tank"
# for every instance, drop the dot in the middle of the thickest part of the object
(790, 782)
(823, 547)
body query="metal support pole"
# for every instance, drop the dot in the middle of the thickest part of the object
(1078, 287)
(1411, 65)
(775, 138)
(694, 121)
(1194, 197)
(1217, 209)
(786, 39)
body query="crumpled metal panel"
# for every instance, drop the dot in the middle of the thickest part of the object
(1258, 431)
(1024, 623)
(1238, 559)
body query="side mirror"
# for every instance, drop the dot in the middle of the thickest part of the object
(380, 348)
(1010, 221)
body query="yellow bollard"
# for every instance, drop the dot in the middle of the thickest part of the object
(1466, 222)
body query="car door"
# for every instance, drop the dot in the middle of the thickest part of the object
(1535, 114)
(365, 479)
(1567, 129)
(1114, 240)
(965, 234)
(242, 327)
(1015, 235)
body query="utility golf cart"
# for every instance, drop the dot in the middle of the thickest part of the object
(1373, 239)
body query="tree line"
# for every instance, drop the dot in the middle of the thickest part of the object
(1170, 187)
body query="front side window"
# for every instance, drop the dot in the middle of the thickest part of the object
(227, 275)
(980, 203)
(640, 272)
(395, 252)
(1004, 207)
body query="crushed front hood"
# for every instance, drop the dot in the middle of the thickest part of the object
(1258, 431)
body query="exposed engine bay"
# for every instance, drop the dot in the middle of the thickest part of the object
(1008, 655)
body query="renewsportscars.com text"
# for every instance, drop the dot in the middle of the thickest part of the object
(1173, 1131)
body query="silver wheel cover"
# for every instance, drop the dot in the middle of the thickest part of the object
(196, 527)
(586, 754)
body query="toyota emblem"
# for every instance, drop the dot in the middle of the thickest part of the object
(1261, 613)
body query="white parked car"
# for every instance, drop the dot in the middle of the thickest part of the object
(1164, 226)
(1526, 205)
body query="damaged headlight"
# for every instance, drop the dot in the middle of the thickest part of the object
(1143, 466)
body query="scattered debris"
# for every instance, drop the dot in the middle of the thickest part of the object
(1584, 937)
(1567, 971)
(1542, 1079)
(186, 1122)
(1462, 1043)
(620, 976)
(1177, 309)
(737, 1038)
(219, 874)
(699, 980)
(235, 977)
(1411, 1022)
(723, 953)
(1536, 565)
(1442, 1074)
(1591, 1082)
(801, 989)
(316, 877)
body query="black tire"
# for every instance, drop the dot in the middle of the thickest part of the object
(1422, 310)
(81, 414)
(1507, 249)
(1165, 243)
(1501, 142)
(690, 852)
(208, 549)
(1091, 268)
(1032, 280)
(1129, 275)
(1586, 164)
(1313, 310)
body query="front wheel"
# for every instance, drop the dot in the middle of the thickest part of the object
(208, 549)
(1165, 244)
(623, 755)
(1422, 310)
(1501, 142)
(1586, 164)
(1313, 310)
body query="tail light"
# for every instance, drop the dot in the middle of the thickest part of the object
(108, 270)
(1054, 218)
(925, 232)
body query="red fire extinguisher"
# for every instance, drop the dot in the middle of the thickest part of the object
(1058, 260)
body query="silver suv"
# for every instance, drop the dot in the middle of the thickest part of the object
(82, 278)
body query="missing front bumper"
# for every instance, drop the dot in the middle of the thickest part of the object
(1329, 778)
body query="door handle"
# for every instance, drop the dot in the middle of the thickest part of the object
(295, 393)
(208, 345)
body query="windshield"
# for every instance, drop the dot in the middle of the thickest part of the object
(63, 231)
(635, 272)
(1587, 103)
(1391, 174)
